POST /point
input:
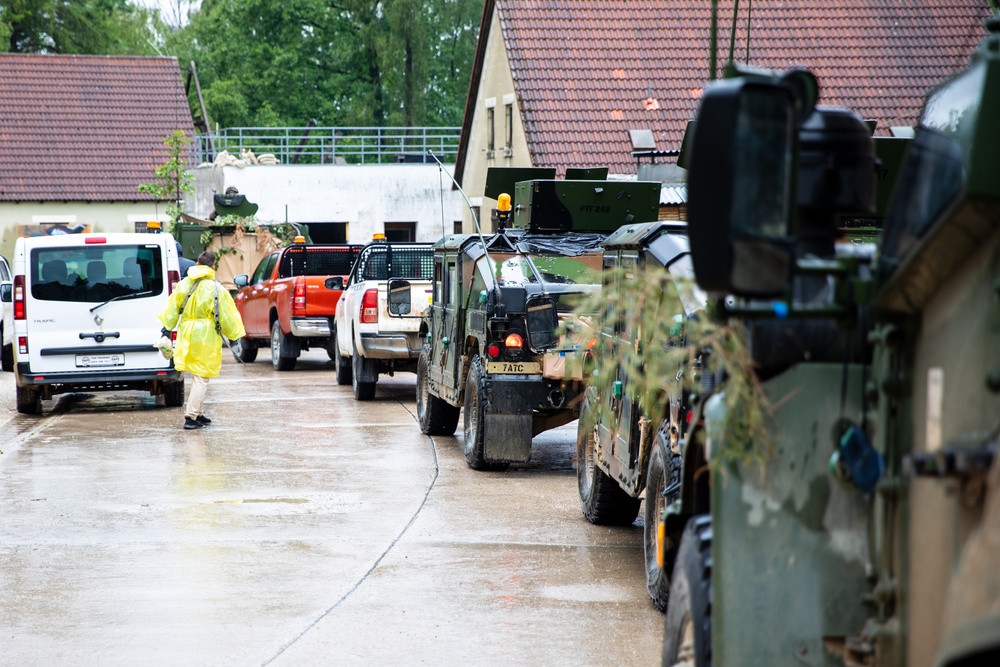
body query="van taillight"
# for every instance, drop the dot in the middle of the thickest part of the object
(369, 307)
(22, 345)
(94, 239)
(173, 277)
(20, 311)
(299, 297)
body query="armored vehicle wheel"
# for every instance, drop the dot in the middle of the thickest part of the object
(436, 416)
(475, 409)
(662, 474)
(173, 394)
(280, 357)
(344, 374)
(29, 401)
(602, 500)
(363, 391)
(687, 639)
(244, 350)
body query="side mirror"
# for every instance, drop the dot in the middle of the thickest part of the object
(241, 280)
(399, 297)
(740, 183)
(334, 283)
(7, 291)
(543, 321)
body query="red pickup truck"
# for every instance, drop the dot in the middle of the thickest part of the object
(290, 302)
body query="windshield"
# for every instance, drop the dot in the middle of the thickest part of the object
(95, 273)
(548, 269)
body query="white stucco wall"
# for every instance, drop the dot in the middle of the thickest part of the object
(364, 196)
(100, 216)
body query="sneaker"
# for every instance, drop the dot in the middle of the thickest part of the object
(192, 423)
(202, 419)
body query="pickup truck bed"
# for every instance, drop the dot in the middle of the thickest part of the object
(369, 339)
(289, 302)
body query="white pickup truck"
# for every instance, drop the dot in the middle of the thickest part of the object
(373, 336)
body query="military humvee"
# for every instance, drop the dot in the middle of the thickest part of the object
(490, 333)
(868, 536)
(622, 453)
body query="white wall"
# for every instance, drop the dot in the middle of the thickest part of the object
(364, 196)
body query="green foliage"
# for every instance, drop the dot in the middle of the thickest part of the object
(173, 180)
(646, 310)
(357, 62)
(103, 27)
(235, 227)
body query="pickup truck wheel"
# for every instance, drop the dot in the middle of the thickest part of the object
(475, 409)
(436, 416)
(345, 374)
(687, 637)
(7, 358)
(363, 391)
(29, 400)
(280, 358)
(244, 350)
(662, 474)
(173, 394)
(602, 500)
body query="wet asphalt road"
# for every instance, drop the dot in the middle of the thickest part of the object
(300, 528)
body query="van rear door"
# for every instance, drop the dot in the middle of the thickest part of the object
(92, 305)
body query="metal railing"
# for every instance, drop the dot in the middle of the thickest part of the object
(334, 145)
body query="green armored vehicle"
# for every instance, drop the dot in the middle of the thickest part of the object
(623, 452)
(490, 333)
(869, 533)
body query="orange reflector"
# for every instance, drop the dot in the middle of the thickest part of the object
(661, 534)
(513, 342)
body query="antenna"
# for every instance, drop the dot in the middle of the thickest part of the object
(472, 210)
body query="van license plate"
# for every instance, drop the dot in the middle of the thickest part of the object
(99, 360)
(519, 367)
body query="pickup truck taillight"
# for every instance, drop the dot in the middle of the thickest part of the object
(19, 304)
(299, 297)
(369, 307)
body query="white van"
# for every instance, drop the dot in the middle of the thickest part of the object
(85, 308)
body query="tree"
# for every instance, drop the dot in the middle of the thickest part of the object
(356, 62)
(104, 27)
(173, 180)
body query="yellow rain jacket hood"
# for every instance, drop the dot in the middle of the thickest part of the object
(198, 348)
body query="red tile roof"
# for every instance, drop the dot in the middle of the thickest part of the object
(583, 69)
(86, 128)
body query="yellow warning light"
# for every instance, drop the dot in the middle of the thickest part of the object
(300, 239)
(503, 202)
(378, 236)
(153, 226)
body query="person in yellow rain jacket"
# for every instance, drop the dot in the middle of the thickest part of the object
(202, 311)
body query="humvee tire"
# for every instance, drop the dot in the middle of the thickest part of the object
(687, 636)
(663, 472)
(436, 417)
(602, 500)
(474, 418)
